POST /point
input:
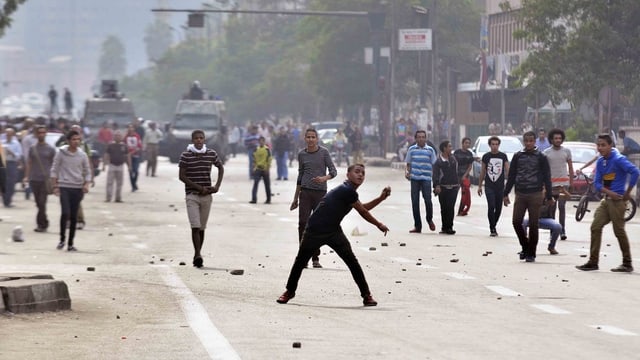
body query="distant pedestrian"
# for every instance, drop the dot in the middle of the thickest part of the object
(70, 175)
(13, 163)
(195, 172)
(529, 173)
(150, 145)
(38, 174)
(420, 159)
(281, 148)
(613, 172)
(324, 229)
(251, 142)
(262, 162)
(495, 166)
(446, 185)
(68, 102)
(629, 146)
(234, 139)
(134, 144)
(311, 185)
(561, 166)
(464, 157)
(116, 155)
(542, 143)
(53, 100)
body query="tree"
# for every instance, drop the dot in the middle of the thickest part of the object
(9, 7)
(157, 39)
(112, 63)
(580, 46)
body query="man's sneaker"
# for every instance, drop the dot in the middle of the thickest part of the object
(415, 231)
(432, 226)
(530, 259)
(72, 248)
(587, 267)
(494, 233)
(285, 297)
(316, 264)
(40, 230)
(369, 301)
(563, 236)
(552, 251)
(80, 225)
(60, 245)
(522, 255)
(623, 268)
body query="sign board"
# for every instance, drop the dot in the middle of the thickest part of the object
(414, 39)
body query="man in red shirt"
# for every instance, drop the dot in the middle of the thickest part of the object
(134, 144)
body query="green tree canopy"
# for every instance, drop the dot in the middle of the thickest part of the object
(157, 39)
(9, 7)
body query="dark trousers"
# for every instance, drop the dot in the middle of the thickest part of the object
(424, 187)
(281, 163)
(530, 203)
(308, 200)
(340, 244)
(12, 179)
(264, 175)
(133, 174)
(447, 199)
(494, 197)
(70, 199)
(40, 195)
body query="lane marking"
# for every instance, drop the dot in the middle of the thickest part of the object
(232, 199)
(459, 276)
(551, 309)
(140, 245)
(271, 214)
(503, 290)
(408, 261)
(286, 219)
(131, 237)
(210, 337)
(613, 330)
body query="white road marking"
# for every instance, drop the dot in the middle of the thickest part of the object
(131, 237)
(613, 330)
(551, 309)
(140, 245)
(231, 199)
(286, 219)
(172, 225)
(211, 338)
(503, 290)
(408, 261)
(459, 276)
(271, 214)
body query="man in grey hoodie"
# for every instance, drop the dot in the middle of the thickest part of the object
(71, 177)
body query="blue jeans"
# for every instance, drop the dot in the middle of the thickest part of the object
(423, 186)
(494, 205)
(281, 162)
(133, 175)
(547, 224)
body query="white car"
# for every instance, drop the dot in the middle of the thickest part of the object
(508, 145)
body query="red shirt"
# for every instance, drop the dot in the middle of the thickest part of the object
(134, 144)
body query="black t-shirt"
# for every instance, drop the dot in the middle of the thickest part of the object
(332, 209)
(117, 153)
(464, 159)
(495, 168)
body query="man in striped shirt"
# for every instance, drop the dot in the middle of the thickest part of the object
(195, 172)
(420, 159)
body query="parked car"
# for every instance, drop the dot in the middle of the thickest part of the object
(326, 136)
(508, 144)
(581, 153)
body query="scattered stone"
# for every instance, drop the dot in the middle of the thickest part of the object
(373, 248)
(583, 255)
(236, 272)
(110, 234)
(389, 292)
(161, 259)
(403, 244)
(404, 269)
(398, 282)
(489, 252)
(608, 244)
(151, 262)
(453, 260)
(485, 254)
(77, 280)
(91, 268)
(123, 337)
(384, 244)
(418, 264)
(499, 298)
(117, 316)
(297, 345)
(171, 205)
(564, 280)
(182, 263)
(175, 209)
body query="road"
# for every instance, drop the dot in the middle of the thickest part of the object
(140, 303)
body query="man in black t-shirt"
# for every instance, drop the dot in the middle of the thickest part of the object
(323, 228)
(495, 165)
(464, 157)
(116, 155)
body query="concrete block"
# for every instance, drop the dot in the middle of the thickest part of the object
(35, 295)
(19, 275)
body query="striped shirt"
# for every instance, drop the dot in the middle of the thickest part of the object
(421, 160)
(558, 162)
(198, 168)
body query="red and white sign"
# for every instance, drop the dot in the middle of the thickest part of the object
(414, 39)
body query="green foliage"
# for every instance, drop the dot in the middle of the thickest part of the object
(9, 7)
(112, 63)
(581, 130)
(157, 39)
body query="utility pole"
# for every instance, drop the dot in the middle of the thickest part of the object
(434, 70)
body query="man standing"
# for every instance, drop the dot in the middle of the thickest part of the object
(234, 139)
(37, 173)
(464, 157)
(559, 159)
(311, 184)
(251, 141)
(495, 165)
(152, 138)
(542, 143)
(324, 229)
(134, 144)
(420, 160)
(262, 163)
(53, 100)
(613, 172)
(195, 172)
(630, 146)
(116, 155)
(445, 181)
(68, 102)
(529, 172)
(13, 153)
(70, 175)
(281, 148)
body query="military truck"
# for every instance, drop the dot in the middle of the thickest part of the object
(206, 115)
(110, 104)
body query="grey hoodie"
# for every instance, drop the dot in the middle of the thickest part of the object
(71, 169)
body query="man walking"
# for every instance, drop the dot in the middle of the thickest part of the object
(613, 172)
(542, 143)
(495, 165)
(281, 148)
(13, 160)
(195, 172)
(464, 157)
(134, 144)
(561, 167)
(311, 185)
(70, 175)
(420, 160)
(116, 155)
(529, 172)
(37, 173)
(324, 229)
(445, 181)
(152, 138)
(262, 163)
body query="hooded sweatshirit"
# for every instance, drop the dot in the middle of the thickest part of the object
(71, 168)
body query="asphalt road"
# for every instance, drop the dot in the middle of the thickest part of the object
(141, 304)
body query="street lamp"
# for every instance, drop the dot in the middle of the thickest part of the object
(423, 13)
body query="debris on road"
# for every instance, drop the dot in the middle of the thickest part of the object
(91, 268)
(236, 272)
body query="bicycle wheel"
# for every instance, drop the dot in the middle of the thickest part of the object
(581, 208)
(630, 211)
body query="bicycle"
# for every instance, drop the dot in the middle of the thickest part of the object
(592, 195)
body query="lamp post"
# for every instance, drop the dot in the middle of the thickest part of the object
(423, 14)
